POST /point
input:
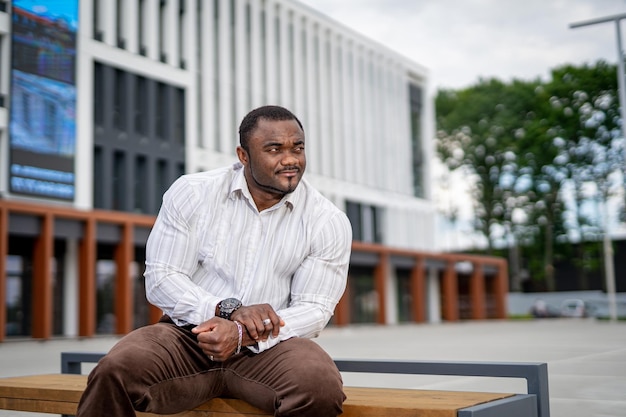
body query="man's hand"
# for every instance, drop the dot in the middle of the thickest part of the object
(260, 321)
(218, 338)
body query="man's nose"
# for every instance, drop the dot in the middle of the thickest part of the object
(290, 159)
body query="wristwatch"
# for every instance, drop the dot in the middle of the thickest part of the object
(227, 307)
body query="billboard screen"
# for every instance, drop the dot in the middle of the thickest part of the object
(42, 125)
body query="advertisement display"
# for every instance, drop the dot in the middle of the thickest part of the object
(42, 125)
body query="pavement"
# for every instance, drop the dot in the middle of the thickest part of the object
(586, 357)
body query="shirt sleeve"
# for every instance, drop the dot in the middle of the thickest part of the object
(318, 283)
(172, 258)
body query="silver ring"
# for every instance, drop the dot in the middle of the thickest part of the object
(266, 322)
(211, 357)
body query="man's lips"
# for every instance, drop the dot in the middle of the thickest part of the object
(289, 172)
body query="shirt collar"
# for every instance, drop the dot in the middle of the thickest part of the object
(239, 186)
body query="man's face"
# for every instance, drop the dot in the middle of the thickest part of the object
(275, 159)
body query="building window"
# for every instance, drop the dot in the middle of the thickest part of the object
(364, 306)
(178, 116)
(26, 111)
(50, 120)
(98, 93)
(162, 31)
(106, 271)
(161, 109)
(141, 179)
(403, 295)
(119, 23)
(161, 181)
(120, 102)
(141, 27)
(18, 298)
(97, 28)
(141, 106)
(182, 35)
(141, 316)
(98, 178)
(119, 181)
(415, 97)
(139, 150)
(366, 222)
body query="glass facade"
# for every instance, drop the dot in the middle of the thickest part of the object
(364, 304)
(403, 296)
(366, 222)
(18, 288)
(139, 139)
(417, 152)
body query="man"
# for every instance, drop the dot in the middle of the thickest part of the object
(247, 263)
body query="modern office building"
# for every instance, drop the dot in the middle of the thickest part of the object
(106, 102)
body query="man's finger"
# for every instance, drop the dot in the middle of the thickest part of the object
(276, 328)
(206, 326)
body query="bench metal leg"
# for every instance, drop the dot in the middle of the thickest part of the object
(71, 361)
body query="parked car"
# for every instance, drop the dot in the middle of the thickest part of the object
(540, 309)
(575, 307)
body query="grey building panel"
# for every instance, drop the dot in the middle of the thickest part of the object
(405, 262)
(363, 259)
(23, 225)
(108, 233)
(68, 228)
(435, 263)
(140, 235)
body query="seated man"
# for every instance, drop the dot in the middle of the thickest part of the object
(247, 263)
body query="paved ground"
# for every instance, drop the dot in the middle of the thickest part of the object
(586, 358)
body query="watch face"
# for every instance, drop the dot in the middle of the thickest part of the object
(230, 304)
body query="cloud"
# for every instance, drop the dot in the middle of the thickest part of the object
(461, 41)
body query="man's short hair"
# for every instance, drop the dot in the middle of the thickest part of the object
(249, 123)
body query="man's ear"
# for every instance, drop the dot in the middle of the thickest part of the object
(242, 154)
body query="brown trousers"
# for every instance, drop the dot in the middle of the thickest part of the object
(161, 369)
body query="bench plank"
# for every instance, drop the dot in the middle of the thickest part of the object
(405, 402)
(60, 393)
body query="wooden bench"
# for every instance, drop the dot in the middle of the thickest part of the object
(60, 393)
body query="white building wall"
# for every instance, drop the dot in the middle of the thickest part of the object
(350, 93)
(83, 162)
(242, 64)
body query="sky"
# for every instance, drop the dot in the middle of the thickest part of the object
(66, 9)
(460, 41)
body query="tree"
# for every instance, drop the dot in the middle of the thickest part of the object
(476, 130)
(530, 145)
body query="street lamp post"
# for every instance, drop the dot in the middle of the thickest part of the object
(621, 87)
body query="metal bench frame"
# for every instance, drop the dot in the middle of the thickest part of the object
(534, 403)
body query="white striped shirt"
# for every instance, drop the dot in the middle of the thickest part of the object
(209, 242)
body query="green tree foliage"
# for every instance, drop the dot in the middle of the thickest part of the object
(527, 145)
(477, 131)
